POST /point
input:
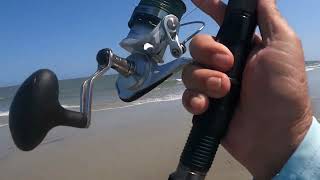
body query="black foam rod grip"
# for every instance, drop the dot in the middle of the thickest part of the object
(208, 129)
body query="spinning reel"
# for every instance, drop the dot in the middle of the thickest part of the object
(154, 26)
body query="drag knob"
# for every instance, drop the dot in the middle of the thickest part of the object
(35, 110)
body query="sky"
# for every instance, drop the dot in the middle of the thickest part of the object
(65, 35)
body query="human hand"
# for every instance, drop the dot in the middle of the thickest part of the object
(274, 111)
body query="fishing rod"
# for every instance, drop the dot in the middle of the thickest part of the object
(236, 33)
(154, 26)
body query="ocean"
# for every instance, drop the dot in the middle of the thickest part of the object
(106, 97)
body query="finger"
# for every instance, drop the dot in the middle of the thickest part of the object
(196, 103)
(211, 54)
(272, 25)
(214, 8)
(212, 83)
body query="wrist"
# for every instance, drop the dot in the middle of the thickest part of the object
(270, 159)
(304, 163)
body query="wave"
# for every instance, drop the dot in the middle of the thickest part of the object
(139, 102)
(71, 106)
(2, 114)
(3, 125)
(167, 98)
(6, 113)
(146, 101)
(312, 67)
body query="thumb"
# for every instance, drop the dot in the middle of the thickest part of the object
(272, 25)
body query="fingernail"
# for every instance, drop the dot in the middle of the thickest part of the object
(221, 58)
(196, 101)
(197, 104)
(214, 84)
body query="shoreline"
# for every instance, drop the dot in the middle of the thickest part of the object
(117, 142)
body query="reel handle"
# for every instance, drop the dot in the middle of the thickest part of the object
(209, 128)
(35, 110)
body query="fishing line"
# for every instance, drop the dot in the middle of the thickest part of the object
(189, 13)
(193, 10)
(134, 3)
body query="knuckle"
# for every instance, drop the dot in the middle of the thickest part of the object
(184, 76)
(185, 102)
(196, 40)
(186, 71)
(299, 41)
(225, 77)
(183, 73)
(294, 37)
(225, 85)
(200, 43)
(185, 97)
(190, 76)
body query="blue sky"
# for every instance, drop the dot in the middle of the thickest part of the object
(65, 35)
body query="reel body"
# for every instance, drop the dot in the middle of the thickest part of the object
(154, 26)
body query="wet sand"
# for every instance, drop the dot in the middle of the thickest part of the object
(141, 142)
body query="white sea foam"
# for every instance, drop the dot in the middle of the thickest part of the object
(145, 101)
(311, 68)
(2, 114)
(139, 102)
(3, 125)
(70, 106)
(6, 113)
(172, 97)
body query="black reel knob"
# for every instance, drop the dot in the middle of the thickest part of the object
(35, 110)
(103, 56)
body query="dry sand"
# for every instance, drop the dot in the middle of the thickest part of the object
(141, 142)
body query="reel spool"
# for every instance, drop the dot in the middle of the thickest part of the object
(154, 26)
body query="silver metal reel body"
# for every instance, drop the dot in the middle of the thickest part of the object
(147, 51)
(142, 71)
(153, 42)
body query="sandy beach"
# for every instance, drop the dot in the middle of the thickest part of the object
(129, 143)
(141, 142)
